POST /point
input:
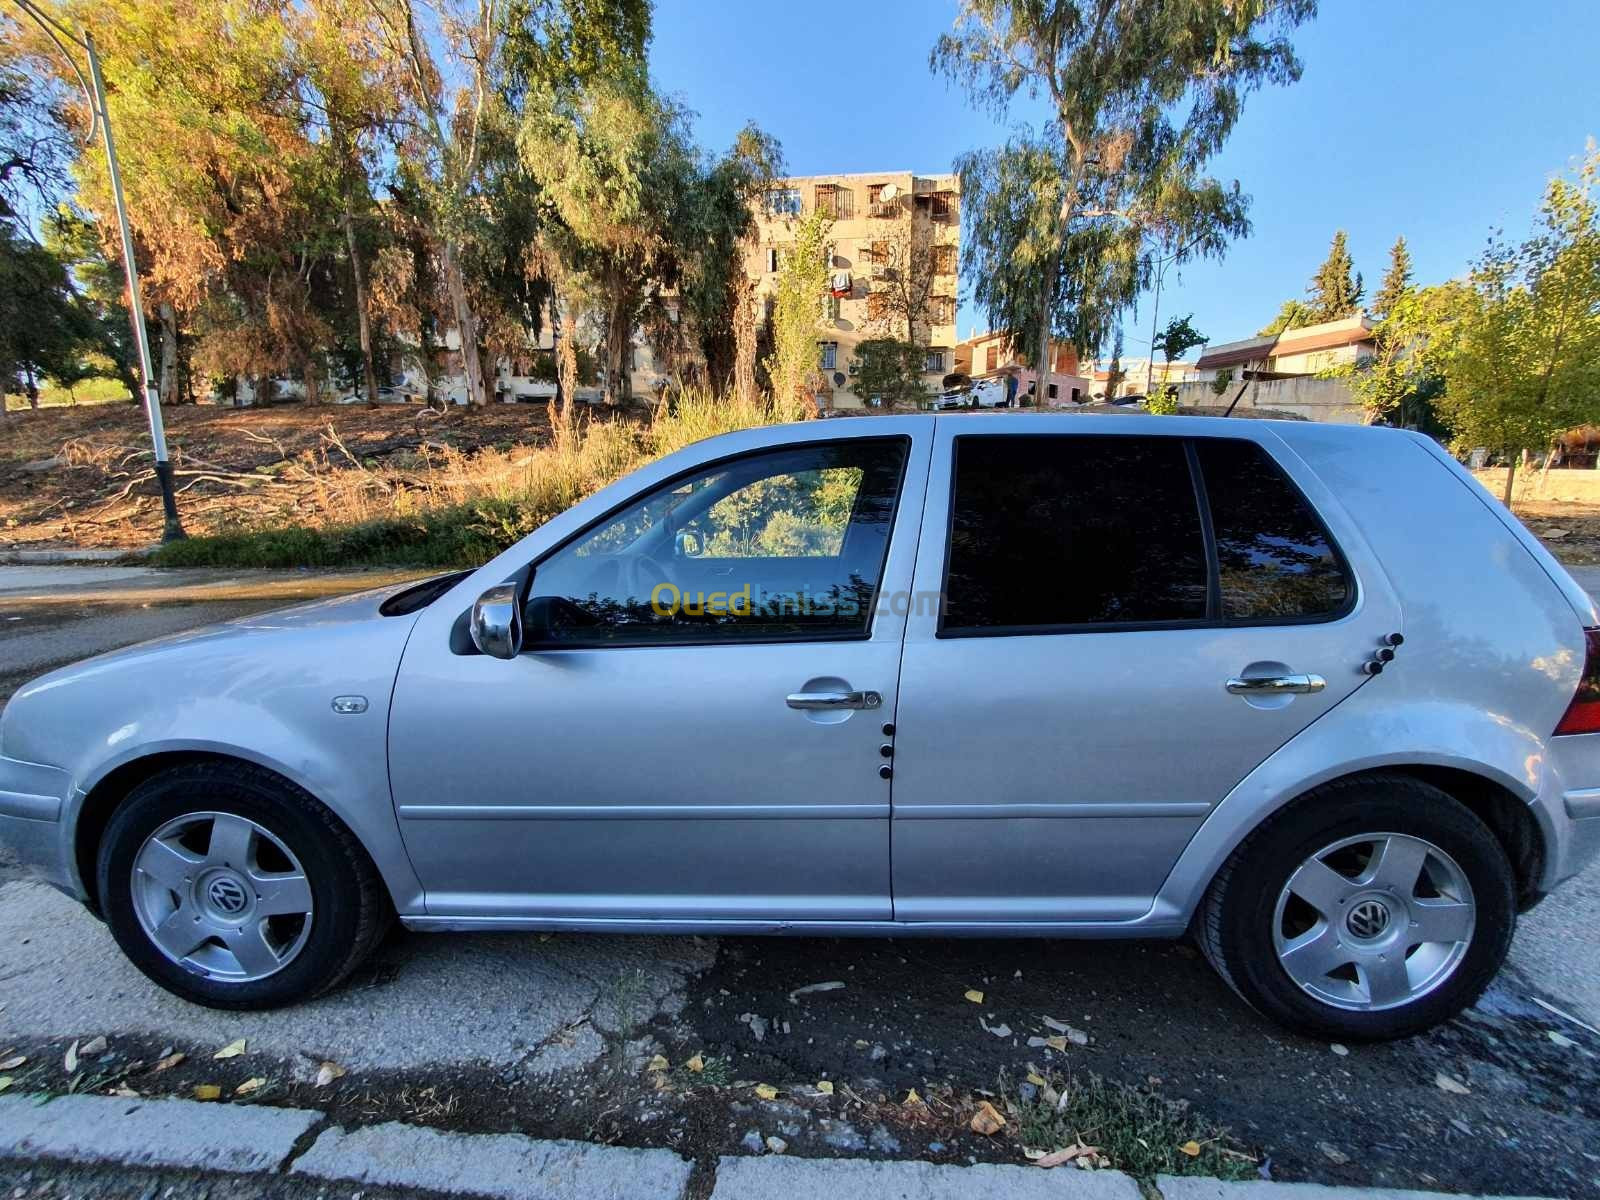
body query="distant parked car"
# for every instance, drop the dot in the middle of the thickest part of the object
(1303, 692)
(984, 393)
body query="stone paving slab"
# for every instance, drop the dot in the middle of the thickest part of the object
(1175, 1187)
(152, 1133)
(502, 1165)
(773, 1176)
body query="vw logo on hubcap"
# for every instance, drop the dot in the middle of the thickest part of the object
(226, 895)
(1368, 919)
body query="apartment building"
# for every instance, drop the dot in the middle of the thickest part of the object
(894, 247)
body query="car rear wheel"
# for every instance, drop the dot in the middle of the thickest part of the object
(1371, 908)
(233, 888)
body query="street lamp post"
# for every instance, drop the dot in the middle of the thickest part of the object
(172, 528)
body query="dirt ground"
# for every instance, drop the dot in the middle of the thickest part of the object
(81, 476)
(1517, 1114)
(1561, 506)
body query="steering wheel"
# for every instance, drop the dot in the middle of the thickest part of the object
(640, 575)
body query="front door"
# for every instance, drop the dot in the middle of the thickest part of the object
(693, 730)
(1067, 721)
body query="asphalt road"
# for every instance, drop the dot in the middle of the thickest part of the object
(533, 1032)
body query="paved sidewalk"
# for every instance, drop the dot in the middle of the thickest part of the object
(257, 1140)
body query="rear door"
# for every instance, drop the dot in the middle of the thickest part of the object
(1066, 718)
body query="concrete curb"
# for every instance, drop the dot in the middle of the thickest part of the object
(152, 1133)
(506, 1166)
(764, 1178)
(255, 1139)
(1174, 1187)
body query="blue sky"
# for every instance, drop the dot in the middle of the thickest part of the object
(1436, 119)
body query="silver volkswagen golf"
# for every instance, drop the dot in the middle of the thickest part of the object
(1304, 693)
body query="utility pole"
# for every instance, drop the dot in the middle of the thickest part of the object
(172, 529)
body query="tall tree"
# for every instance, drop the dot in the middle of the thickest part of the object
(44, 330)
(1336, 289)
(714, 239)
(76, 241)
(454, 72)
(348, 100)
(1142, 93)
(1524, 363)
(1396, 280)
(615, 164)
(796, 311)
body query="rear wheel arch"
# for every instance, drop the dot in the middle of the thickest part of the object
(1509, 817)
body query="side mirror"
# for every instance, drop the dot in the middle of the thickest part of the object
(686, 544)
(497, 622)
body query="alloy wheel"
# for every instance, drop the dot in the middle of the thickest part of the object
(1374, 921)
(222, 896)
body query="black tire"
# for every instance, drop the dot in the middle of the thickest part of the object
(351, 907)
(1234, 924)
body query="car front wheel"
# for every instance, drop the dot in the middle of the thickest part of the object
(233, 888)
(1371, 908)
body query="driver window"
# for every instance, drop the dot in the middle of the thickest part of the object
(781, 545)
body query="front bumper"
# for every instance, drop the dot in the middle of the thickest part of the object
(32, 800)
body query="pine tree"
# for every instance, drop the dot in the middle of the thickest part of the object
(1396, 281)
(1336, 288)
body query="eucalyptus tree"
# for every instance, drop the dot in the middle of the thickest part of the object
(615, 166)
(1140, 95)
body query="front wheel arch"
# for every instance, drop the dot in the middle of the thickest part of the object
(102, 800)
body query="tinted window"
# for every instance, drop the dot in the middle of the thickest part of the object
(1072, 530)
(1273, 555)
(782, 544)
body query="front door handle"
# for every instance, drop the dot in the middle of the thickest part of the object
(829, 701)
(1277, 685)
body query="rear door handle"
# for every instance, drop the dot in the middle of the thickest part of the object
(827, 701)
(1277, 685)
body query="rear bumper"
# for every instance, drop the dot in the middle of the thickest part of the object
(32, 800)
(1583, 839)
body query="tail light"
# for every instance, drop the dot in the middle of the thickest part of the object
(1583, 714)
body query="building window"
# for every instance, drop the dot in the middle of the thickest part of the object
(942, 310)
(877, 206)
(836, 201)
(828, 358)
(784, 202)
(1052, 391)
(877, 306)
(991, 354)
(941, 206)
(934, 361)
(944, 260)
(772, 259)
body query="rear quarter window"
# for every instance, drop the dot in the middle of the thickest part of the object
(1275, 559)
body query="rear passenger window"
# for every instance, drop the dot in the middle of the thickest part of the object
(1274, 557)
(1062, 530)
